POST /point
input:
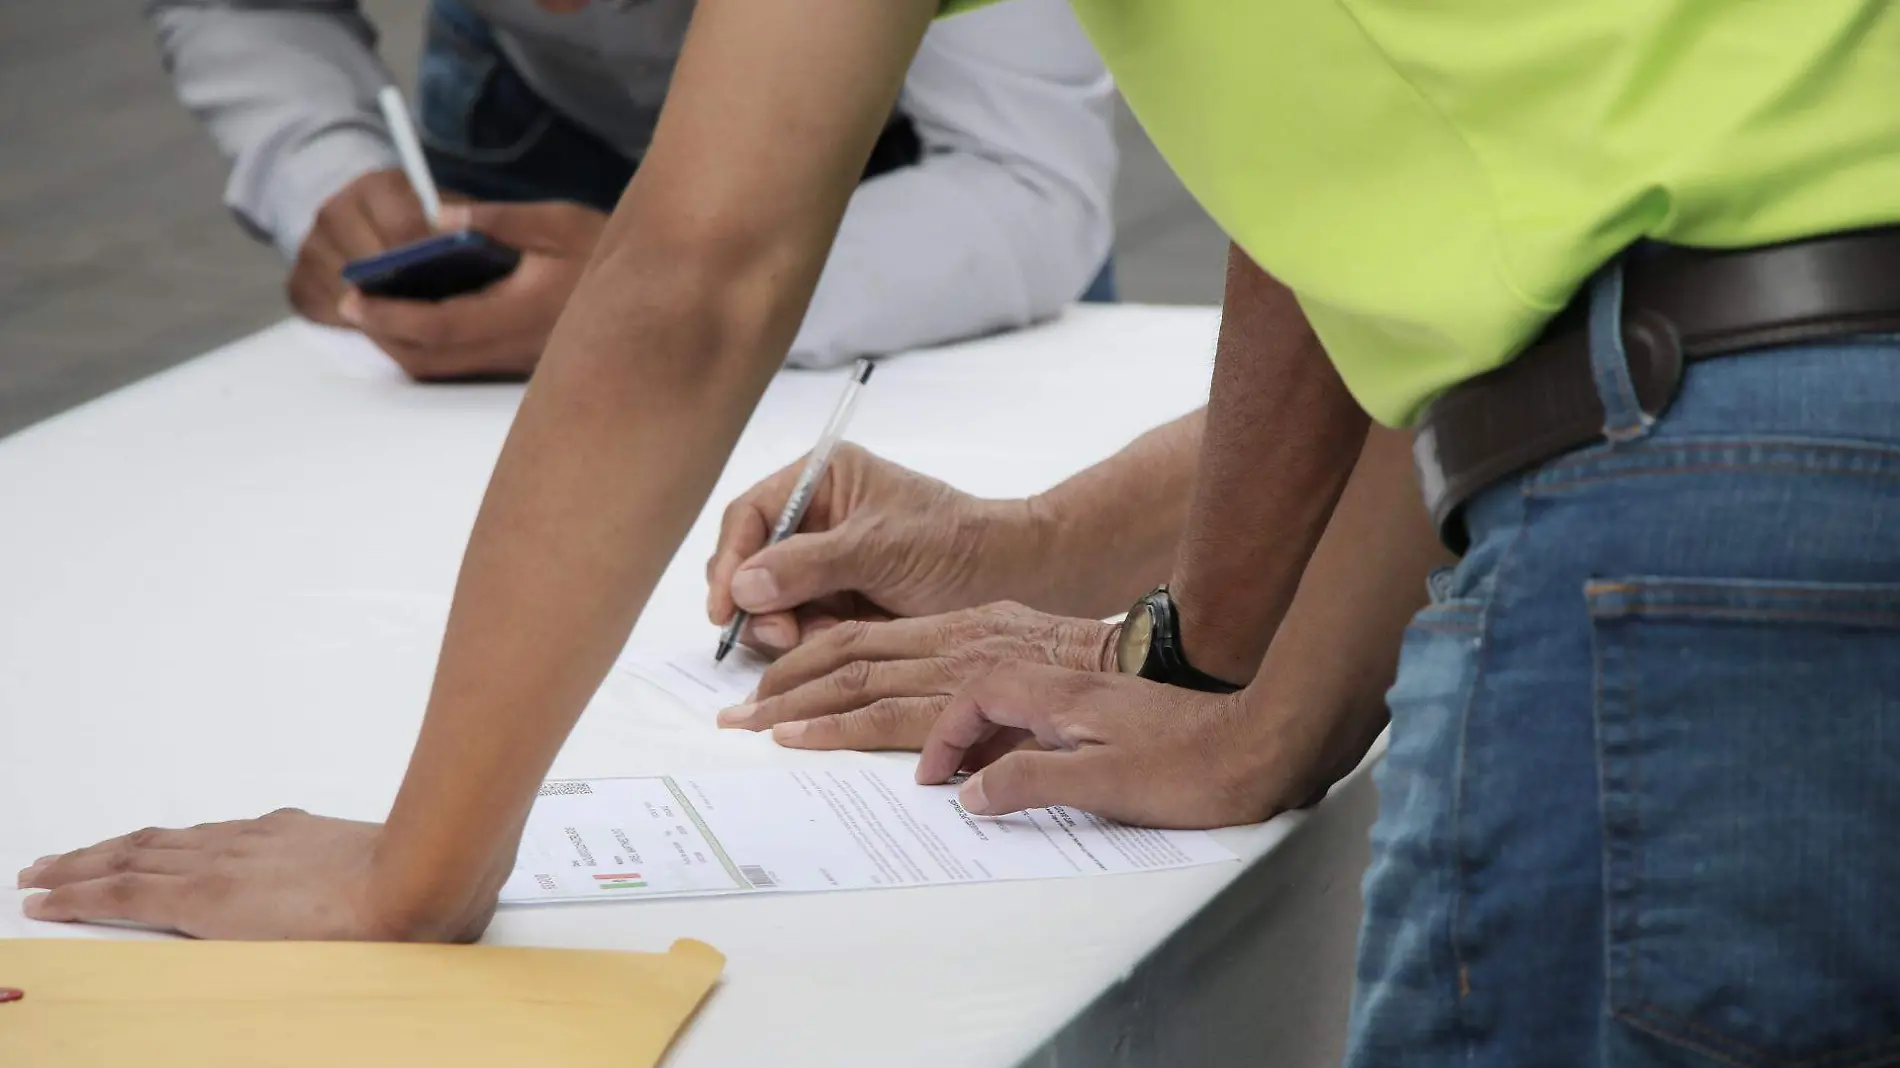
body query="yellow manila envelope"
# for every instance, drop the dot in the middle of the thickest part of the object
(330, 1004)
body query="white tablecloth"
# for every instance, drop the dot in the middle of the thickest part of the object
(222, 590)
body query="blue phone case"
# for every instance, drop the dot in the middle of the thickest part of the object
(435, 268)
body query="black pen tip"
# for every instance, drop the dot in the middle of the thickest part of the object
(725, 646)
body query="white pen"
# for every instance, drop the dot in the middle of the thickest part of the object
(409, 148)
(808, 479)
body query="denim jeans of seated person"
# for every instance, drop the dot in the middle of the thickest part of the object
(1641, 805)
(489, 136)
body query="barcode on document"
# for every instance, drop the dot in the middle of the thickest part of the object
(563, 789)
(757, 876)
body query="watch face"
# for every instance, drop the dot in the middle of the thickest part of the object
(1138, 630)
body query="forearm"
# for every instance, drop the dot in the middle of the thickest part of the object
(695, 290)
(608, 462)
(288, 92)
(1335, 654)
(1109, 534)
(1282, 438)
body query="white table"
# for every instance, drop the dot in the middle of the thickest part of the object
(222, 590)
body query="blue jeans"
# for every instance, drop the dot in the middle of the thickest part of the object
(488, 135)
(1642, 795)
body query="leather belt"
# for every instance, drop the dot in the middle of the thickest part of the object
(1679, 305)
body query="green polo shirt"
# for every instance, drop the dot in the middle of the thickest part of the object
(1436, 178)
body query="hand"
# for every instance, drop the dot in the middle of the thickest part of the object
(1122, 747)
(878, 541)
(881, 685)
(375, 212)
(500, 331)
(288, 875)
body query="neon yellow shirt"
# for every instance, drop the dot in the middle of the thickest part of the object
(1436, 178)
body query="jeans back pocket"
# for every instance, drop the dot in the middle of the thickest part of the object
(1749, 751)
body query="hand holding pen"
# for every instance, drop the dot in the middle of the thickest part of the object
(794, 512)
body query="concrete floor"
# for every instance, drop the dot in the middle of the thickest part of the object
(117, 258)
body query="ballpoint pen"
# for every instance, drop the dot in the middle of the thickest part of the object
(808, 479)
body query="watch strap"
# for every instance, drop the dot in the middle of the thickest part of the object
(1167, 662)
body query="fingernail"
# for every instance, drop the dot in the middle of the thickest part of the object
(32, 871)
(754, 588)
(737, 715)
(34, 908)
(776, 633)
(350, 308)
(971, 797)
(452, 217)
(787, 733)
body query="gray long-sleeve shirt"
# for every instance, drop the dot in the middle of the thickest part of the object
(1005, 219)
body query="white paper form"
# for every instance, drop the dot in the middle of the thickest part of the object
(693, 678)
(847, 828)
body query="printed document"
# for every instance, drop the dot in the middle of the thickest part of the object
(842, 828)
(693, 678)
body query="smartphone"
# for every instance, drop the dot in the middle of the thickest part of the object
(435, 268)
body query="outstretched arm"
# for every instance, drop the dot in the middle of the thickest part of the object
(687, 309)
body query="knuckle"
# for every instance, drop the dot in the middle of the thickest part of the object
(847, 635)
(887, 716)
(144, 837)
(210, 885)
(1008, 674)
(119, 889)
(990, 649)
(736, 513)
(121, 860)
(947, 672)
(966, 628)
(852, 678)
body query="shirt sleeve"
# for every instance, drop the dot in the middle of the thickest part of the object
(288, 91)
(1007, 217)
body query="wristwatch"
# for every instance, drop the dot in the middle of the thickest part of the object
(1150, 646)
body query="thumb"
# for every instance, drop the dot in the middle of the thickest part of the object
(801, 569)
(537, 227)
(1032, 778)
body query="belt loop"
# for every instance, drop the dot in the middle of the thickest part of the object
(1623, 416)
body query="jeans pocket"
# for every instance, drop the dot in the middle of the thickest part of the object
(473, 105)
(1749, 750)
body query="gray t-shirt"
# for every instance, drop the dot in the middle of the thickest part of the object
(1005, 219)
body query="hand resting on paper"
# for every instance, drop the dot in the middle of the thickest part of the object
(1128, 749)
(287, 875)
(881, 685)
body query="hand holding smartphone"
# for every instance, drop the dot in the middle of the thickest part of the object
(434, 268)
